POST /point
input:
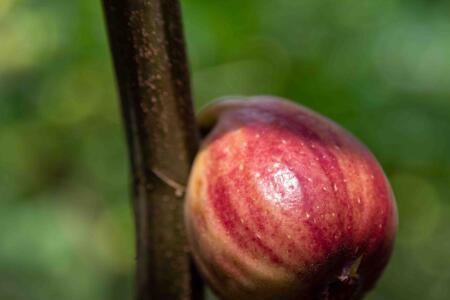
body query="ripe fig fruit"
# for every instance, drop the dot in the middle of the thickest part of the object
(282, 203)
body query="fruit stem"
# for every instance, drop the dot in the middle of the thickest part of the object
(147, 43)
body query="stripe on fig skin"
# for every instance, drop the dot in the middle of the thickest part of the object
(287, 200)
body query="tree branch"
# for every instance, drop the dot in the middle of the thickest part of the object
(147, 43)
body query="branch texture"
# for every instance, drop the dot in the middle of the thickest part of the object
(147, 43)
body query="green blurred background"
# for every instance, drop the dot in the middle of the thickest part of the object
(380, 68)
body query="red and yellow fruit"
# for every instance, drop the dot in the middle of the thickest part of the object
(283, 203)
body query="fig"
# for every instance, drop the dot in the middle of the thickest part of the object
(283, 203)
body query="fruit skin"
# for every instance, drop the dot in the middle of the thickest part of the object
(283, 203)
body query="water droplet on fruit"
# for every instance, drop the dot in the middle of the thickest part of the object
(335, 187)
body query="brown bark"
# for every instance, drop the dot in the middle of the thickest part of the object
(147, 44)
